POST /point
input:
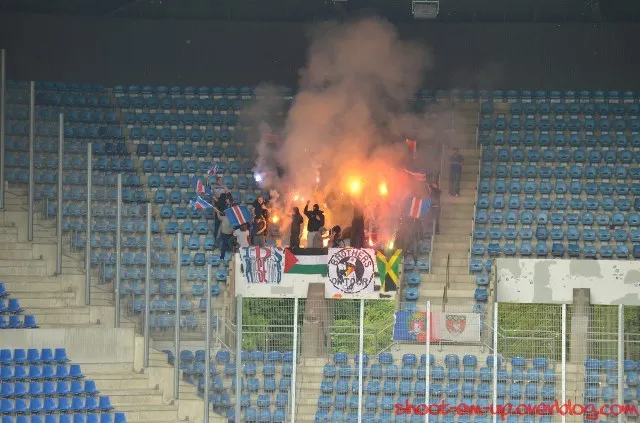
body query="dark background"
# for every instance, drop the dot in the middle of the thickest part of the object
(87, 46)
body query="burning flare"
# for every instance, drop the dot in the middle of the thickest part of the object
(382, 189)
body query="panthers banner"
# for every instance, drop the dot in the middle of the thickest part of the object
(351, 273)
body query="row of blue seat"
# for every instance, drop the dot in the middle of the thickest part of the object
(167, 289)
(179, 90)
(160, 119)
(67, 418)
(575, 173)
(559, 123)
(161, 273)
(57, 86)
(558, 249)
(527, 217)
(191, 166)
(530, 139)
(231, 150)
(559, 187)
(586, 109)
(561, 156)
(183, 135)
(78, 404)
(513, 202)
(541, 233)
(70, 147)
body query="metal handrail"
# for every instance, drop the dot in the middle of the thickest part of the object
(475, 205)
(445, 298)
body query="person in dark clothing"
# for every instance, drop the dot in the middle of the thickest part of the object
(296, 228)
(260, 208)
(413, 236)
(357, 228)
(315, 222)
(335, 237)
(434, 191)
(455, 172)
(258, 231)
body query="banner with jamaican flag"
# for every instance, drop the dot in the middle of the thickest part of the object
(389, 265)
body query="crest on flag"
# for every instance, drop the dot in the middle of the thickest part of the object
(262, 265)
(456, 323)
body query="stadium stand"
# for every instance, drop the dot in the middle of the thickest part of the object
(556, 175)
(41, 385)
(558, 179)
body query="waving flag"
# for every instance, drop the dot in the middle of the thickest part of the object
(268, 134)
(238, 215)
(200, 204)
(417, 175)
(389, 270)
(213, 170)
(199, 187)
(413, 147)
(417, 208)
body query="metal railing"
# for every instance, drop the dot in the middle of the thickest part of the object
(445, 293)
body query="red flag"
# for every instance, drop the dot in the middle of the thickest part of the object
(413, 148)
(420, 176)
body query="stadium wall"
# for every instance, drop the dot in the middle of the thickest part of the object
(486, 56)
(529, 281)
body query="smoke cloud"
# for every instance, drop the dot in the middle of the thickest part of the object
(344, 133)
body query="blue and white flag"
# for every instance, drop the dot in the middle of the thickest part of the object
(417, 208)
(238, 215)
(200, 204)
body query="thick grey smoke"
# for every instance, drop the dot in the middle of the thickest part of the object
(350, 118)
(352, 103)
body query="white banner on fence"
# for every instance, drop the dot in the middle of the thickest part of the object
(351, 273)
(456, 327)
(553, 281)
(262, 273)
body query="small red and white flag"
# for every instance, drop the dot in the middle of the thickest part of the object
(412, 145)
(200, 187)
(213, 170)
(268, 134)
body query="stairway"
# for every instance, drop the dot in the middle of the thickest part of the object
(309, 378)
(58, 303)
(456, 216)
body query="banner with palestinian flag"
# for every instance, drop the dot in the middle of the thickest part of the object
(389, 265)
(306, 261)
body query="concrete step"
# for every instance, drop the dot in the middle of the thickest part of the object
(23, 268)
(453, 262)
(35, 299)
(117, 381)
(453, 270)
(149, 412)
(49, 286)
(14, 245)
(134, 397)
(59, 316)
(453, 229)
(441, 277)
(443, 254)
